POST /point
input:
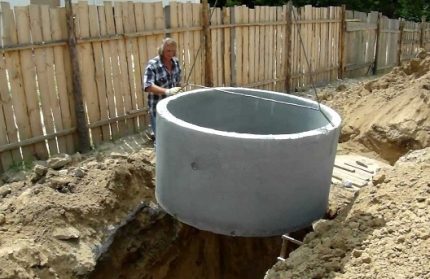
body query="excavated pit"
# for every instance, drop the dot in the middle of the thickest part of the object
(167, 249)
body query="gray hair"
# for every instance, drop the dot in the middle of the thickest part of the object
(166, 42)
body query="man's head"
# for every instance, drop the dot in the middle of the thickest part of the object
(168, 48)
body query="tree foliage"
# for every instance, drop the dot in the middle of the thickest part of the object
(408, 9)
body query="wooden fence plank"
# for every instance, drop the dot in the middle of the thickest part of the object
(56, 19)
(30, 86)
(134, 73)
(99, 66)
(52, 82)
(6, 156)
(245, 45)
(198, 50)
(123, 67)
(18, 116)
(116, 78)
(89, 87)
(226, 19)
(251, 51)
(139, 63)
(108, 60)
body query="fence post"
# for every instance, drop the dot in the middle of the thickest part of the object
(422, 27)
(399, 50)
(288, 32)
(81, 122)
(342, 32)
(207, 43)
(378, 34)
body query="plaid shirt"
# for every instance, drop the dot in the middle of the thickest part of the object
(156, 73)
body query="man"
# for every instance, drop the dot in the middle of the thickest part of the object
(162, 77)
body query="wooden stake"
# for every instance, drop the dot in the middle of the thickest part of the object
(341, 71)
(400, 42)
(288, 46)
(208, 46)
(81, 121)
(378, 37)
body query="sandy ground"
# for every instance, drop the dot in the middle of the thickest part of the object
(58, 219)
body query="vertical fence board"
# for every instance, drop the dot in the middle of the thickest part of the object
(5, 156)
(30, 86)
(245, 45)
(426, 36)
(139, 64)
(120, 8)
(227, 48)
(187, 22)
(251, 51)
(134, 73)
(116, 101)
(56, 20)
(108, 62)
(257, 49)
(52, 82)
(86, 62)
(99, 77)
(43, 80)
(16, 116)
(198, 51)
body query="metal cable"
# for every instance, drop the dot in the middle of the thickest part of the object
(293, 12)
(255, 97)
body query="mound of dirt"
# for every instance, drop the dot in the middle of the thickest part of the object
(384, 233)
(56, 223)
(389, 115)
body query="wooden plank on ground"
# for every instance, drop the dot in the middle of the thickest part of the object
(30, 86)
(61, 77)
(86, 63)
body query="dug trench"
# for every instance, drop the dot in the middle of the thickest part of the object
(155, 245)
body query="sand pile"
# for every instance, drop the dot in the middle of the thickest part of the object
(389, 115)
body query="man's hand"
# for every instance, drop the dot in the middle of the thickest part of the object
(172, 91)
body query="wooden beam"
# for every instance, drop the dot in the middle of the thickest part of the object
(207, 44)
(81, 121)
(34, 140)
(288, 47)
(341, 45)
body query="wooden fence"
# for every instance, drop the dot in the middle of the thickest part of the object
(274, 48)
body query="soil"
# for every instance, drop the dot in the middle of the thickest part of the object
(95, 216)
